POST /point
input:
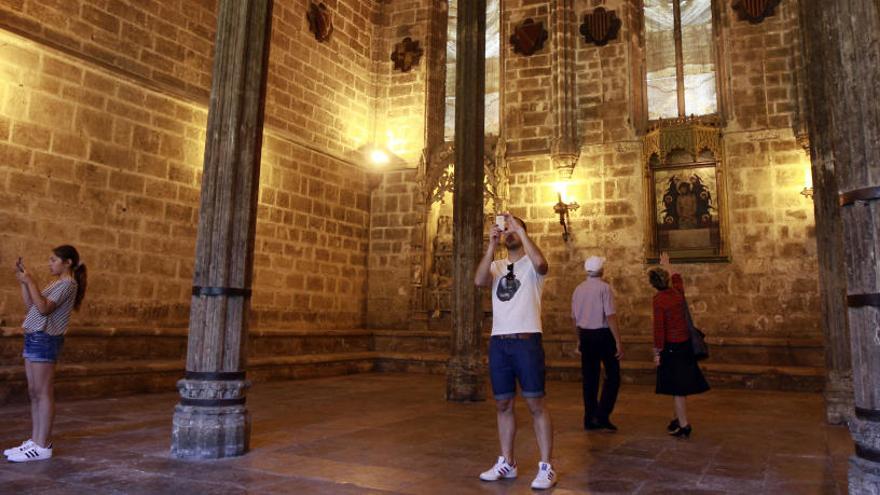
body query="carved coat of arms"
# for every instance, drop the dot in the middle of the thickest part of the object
(320, 21)
(528, 37)
(406, 55)
(755, 11)
(600, 27)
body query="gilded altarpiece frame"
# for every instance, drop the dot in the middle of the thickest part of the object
(685, 191)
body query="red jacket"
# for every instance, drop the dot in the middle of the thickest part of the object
(669, 320)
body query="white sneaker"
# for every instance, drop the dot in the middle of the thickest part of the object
(545, 478)
(32, 453)
(18, 448)
(500, 470)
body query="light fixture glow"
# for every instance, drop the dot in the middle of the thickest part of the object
(807, 191)
(563, 207)
(561, 189)
(379, 157)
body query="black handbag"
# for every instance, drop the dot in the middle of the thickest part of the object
(698, 338)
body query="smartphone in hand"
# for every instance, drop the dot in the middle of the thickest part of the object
(500, 222)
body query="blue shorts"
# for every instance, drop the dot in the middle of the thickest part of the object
(40, 347)
(512, 359)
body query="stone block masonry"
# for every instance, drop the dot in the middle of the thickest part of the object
(110, 160)
(769, 289)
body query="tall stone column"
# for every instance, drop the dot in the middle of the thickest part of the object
(565, 147)
(211, 419)
(849, 71)
(829, 229)
(465, 375)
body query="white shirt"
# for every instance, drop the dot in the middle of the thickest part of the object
(516, 297)
(592, 303)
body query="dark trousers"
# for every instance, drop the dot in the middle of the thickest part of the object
(598, 346)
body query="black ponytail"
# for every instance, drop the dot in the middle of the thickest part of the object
(80, 274)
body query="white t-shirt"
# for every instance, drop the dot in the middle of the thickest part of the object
(516, 297)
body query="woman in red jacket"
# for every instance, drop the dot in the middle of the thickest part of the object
(677, 372)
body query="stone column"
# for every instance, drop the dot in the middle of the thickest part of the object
(848, 73)
(829, 229)
(565, 147)
(211, 419)
(465, 376)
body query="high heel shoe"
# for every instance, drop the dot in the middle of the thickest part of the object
(682, 432)
(672, 426)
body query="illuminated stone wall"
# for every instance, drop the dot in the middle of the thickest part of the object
(103, 108)
(768, 289)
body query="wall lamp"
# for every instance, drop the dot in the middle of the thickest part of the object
(562, 209)
(807, 191)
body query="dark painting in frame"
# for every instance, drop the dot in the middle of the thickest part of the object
(685, 194)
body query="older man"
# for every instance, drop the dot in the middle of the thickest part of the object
(592, 309)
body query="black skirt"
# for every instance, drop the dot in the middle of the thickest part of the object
(678, 373)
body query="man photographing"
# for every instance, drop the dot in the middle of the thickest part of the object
(516, 352)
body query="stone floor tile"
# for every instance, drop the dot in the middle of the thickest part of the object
(393, 434)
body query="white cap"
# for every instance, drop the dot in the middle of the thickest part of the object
(594, 264)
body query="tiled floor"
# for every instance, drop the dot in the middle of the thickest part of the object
(393, 433)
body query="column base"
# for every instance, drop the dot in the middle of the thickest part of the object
(838, 398)
(210, 432)
(211, 420)
(864, 466)
(465, 379)
(864, 477)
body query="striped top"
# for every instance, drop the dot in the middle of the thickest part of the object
(63, 293)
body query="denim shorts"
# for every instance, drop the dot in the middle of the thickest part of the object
(40, 347)
(512, 359)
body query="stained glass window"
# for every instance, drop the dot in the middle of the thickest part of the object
(493, 67)
(680, 58)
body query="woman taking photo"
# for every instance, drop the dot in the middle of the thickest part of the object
(48, 313)
(677, 372)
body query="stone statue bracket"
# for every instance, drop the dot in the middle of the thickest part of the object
(320, 21)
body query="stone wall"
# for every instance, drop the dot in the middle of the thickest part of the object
(102, 123)
(768, 289)
(526, 117)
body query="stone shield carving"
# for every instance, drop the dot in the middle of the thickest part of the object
(755, 11)
(528, 37)
(320, 21)
(406, 55)
(600, 27)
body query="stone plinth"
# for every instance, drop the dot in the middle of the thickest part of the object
(211, 420)
(465, 379)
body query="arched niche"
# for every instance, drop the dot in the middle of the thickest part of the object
(437, 302)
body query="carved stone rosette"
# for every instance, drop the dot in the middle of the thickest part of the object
(406, 54)
(565, 148)
(600, 26)
(755, 11)
(528, 37)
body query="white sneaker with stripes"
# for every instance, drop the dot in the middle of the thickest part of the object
(501, 470)
(19, 448)
(546, 477)
(32, 453)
